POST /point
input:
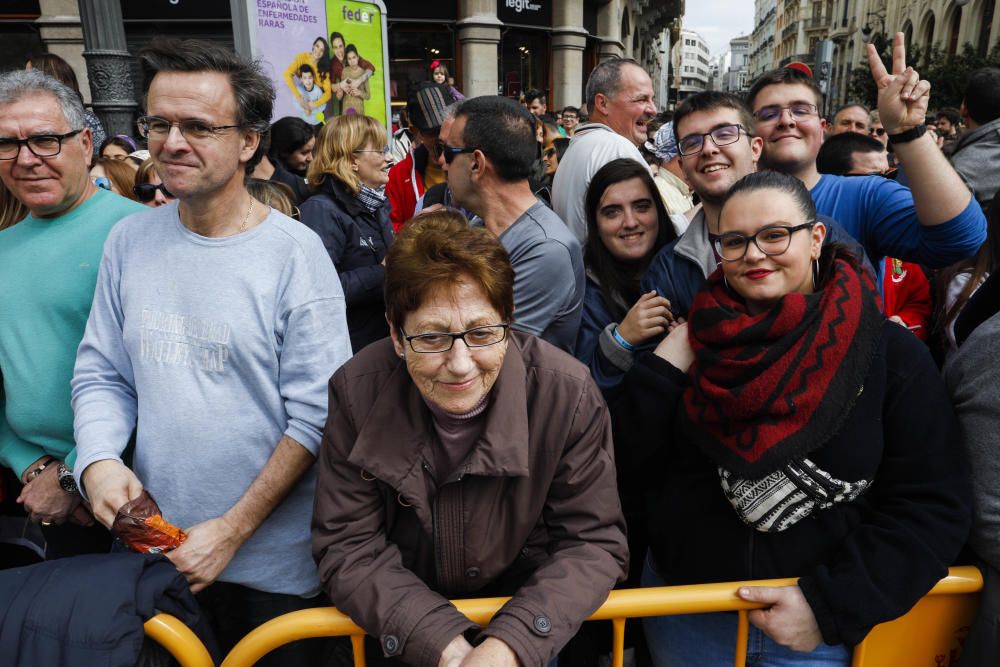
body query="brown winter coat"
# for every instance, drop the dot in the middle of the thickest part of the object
(533, 512)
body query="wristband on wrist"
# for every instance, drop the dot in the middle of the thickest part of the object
(909, 135)
(621, 341)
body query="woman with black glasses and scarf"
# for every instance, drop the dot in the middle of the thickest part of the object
(790, 430)
(350, 212)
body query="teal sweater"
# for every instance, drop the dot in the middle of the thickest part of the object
(48, 269)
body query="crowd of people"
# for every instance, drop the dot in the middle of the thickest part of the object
(498, 351)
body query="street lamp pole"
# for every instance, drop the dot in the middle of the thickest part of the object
(108, 65)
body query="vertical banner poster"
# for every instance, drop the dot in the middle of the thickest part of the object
(326, 57)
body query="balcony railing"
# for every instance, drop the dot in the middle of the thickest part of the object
(790, 30)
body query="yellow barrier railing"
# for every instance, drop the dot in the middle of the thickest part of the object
(179, 640)
(947, 609)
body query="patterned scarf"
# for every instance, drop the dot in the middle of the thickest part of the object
(370, 198)
(768, 389)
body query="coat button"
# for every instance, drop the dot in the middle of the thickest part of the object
(472, 572)
(391, 644)
(543, 624)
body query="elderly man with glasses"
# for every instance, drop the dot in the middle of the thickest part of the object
(216, 323)
(48, 267)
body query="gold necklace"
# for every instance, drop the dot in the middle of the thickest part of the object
(247, 218)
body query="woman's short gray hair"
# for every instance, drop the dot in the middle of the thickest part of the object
(18, 84)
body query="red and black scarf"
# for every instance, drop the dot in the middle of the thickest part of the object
(766, 388)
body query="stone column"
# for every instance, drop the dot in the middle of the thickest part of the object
(479, 38)
(569, 39)
(609, 28)
(108, 65)
(59, 28)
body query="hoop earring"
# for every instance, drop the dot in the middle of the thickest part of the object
(815, 273)
(726, 283)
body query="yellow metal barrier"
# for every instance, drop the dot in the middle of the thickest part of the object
(179, 640)
(948, 607)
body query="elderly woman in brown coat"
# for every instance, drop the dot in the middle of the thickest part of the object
(463, 459)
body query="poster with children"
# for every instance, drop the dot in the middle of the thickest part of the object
(326, 57)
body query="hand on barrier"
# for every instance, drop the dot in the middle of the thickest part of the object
(209, 547)
(789, 619)
(455, 652)
(109, 485)
(491, 653)
(902, 95)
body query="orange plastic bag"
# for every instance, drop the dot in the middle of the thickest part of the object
(141, 526)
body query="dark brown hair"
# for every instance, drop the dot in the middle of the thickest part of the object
(440, 249)
(785, 76)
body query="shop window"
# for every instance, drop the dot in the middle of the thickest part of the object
(412, 49)
(524, 63)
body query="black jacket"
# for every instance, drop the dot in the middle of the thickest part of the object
(859, 563)
(89, 610)
(298, 185)
(357, 240)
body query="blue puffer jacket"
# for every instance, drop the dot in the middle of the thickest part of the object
(89, 610)
(357, 240)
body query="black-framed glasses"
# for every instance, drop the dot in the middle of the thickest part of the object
(799, 111)
(450, 152)
(722, 136)
(772, 240)
(877, 130)
(385, 150)
(156, 128)
(146, 192)
(41, 145)
(442, 341)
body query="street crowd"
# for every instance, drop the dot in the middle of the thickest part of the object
(493, 350)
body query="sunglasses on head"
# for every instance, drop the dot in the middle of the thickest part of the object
(146, 192)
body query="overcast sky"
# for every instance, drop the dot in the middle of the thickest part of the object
(718, 21)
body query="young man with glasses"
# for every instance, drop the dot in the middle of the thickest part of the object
(216, 323)
(48, 267)
(716, 150)
(935, 222)
(489, 154)
(570, 120)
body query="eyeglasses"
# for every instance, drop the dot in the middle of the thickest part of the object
(146, 192)
(40, 145)
(450, 152)
(102, 182)
(773, 240)
(877, 130)
(435, 342)
(156, 128)
(722, 136)
(384, 150)
(565, 118)
(549, 152)
(799, 111)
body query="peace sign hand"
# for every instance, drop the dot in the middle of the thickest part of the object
(902, 96)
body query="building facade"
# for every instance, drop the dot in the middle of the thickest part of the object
(489, 46)
(691, 58)
(737, 72)
(762, 40)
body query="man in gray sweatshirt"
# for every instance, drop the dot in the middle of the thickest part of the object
(215, 325)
